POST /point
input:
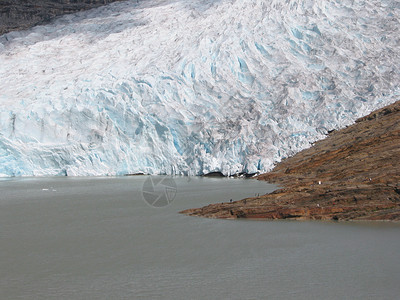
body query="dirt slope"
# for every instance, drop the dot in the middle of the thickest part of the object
(353, 174)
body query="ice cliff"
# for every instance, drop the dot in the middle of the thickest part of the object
(190, 86)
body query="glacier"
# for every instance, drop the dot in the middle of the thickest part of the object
(191, 87)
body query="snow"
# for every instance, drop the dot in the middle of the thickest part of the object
(191, 87)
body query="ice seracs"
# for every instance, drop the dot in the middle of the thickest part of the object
(191, 87)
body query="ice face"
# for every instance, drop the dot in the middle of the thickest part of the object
(191, 87)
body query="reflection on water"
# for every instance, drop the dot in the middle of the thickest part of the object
(97, 238)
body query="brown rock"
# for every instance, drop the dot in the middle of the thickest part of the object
(353, 174)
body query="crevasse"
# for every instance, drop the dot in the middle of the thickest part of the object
(191, 87)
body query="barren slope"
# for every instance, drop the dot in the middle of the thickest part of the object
(353, 174)
(22, 14)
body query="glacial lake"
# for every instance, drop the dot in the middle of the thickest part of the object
(99, 238)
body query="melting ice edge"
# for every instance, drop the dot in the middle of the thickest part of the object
(191, 87)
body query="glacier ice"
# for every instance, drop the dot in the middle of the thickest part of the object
(190, 86)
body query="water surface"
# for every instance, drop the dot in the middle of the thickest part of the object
(96, 238)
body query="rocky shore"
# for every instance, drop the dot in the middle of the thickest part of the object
(353, 174)
(23, 14)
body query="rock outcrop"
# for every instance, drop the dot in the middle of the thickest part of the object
(353, 174)
(22, 14)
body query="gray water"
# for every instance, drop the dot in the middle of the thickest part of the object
(96, 238)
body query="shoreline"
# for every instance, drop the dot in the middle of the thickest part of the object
(352, 175)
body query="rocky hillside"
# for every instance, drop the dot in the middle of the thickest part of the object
(353, 174)
(22, 14)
